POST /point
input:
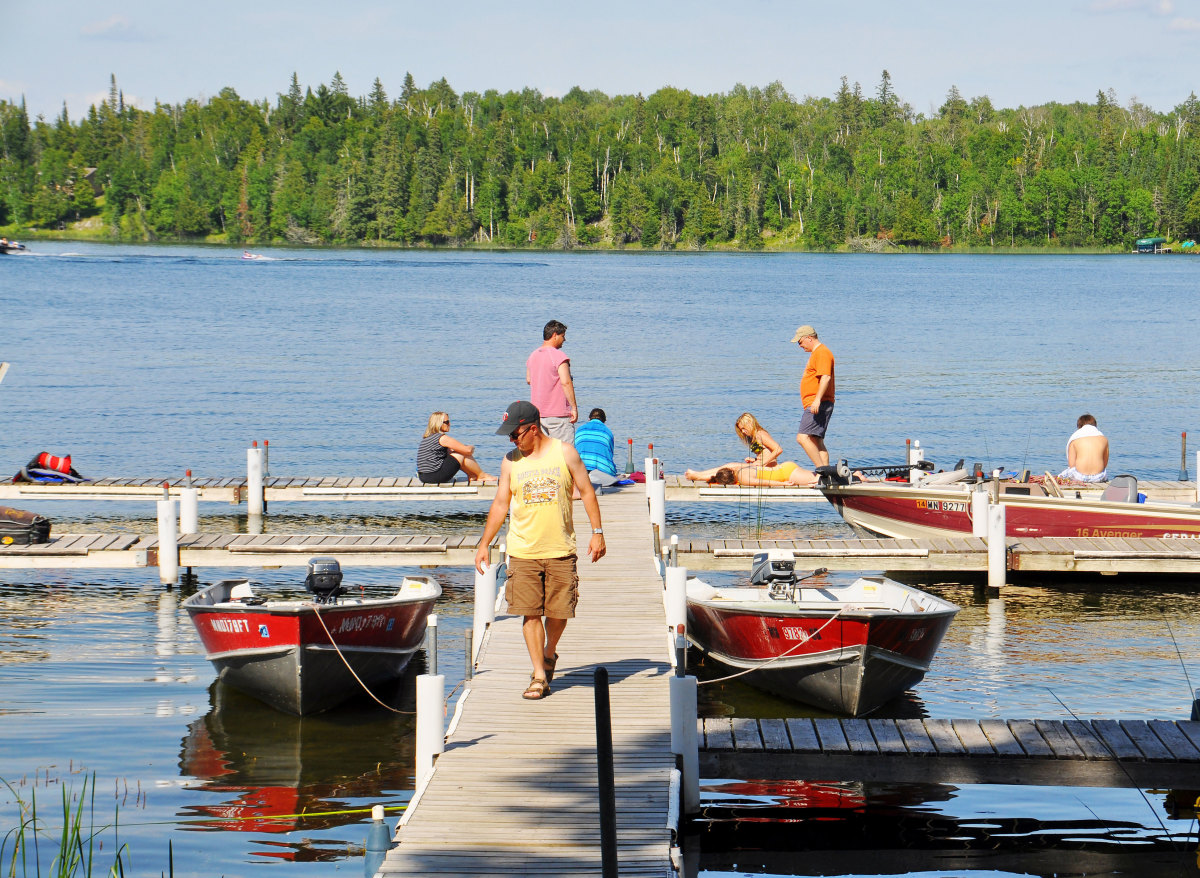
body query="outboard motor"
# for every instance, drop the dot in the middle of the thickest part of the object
(776, 569)
(324, 579)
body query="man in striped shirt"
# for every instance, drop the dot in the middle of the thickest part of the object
(594, 442)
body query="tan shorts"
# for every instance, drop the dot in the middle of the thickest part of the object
(542, 587)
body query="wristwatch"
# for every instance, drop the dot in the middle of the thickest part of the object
(598, 530)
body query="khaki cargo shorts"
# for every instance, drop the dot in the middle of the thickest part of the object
(542, 587)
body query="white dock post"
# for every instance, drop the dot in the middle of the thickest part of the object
(684, 739)
(168, 540)
(997, 551)
(485, 606)
(650, 469)
(656, 490)
(979, 514)
(675, 598)
(431, 723)
(431, 644)
(254, 480)
(1198, 476)
(916, 455)
(189, 506)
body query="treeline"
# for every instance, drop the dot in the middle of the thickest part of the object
(669, 170)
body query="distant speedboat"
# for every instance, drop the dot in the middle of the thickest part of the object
(845, 647)
(246, 254)
(304, 656)
(7, 246)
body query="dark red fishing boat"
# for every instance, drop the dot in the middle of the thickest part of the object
(902, 510)
(845, 647)
(307, 655)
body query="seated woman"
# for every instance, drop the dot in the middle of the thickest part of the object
(762, 468)
(440, 455)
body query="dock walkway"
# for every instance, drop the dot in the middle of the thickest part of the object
(515, 792)
(1107, 753)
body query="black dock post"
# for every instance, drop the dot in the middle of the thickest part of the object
(606, 781)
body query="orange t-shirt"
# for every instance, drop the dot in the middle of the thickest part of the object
(820, 364)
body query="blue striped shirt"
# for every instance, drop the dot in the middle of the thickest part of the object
(594, 442)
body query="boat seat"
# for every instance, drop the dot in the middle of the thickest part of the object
(1121, 489)
(947, 478)
(241, 591)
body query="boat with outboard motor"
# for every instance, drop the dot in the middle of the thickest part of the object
(843, 646)
(7, 246)
(940, 505)
(304, 656)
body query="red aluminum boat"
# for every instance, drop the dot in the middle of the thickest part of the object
(912, 511)
(845, 647)
(305, 656)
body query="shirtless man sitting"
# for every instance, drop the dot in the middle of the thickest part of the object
(1087, 453)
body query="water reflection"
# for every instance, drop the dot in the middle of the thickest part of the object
(846, 829)
(269, 772)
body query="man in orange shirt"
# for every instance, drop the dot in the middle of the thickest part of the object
(816, 393)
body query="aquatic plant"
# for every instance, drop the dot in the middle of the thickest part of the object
(79, 846)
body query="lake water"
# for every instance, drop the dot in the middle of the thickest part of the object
(152, 360)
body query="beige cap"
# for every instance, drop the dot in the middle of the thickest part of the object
(803, 331)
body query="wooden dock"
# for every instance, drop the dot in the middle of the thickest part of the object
(1156, 754)
(515, 793)
(116, 551)
(1107, 555)
(234, 490)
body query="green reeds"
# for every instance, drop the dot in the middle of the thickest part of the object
(79, 845)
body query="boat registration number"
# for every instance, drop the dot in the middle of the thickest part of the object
(800, 634)
(942, 505)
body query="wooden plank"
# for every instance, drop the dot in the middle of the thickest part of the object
(1029, 738)
(803, 735)
(718, 733)
(1190, 730)
(1091, 746)
(774, 734)
(916, 739)
(1115, 740)
(887, 736)
(941, 732)
(858, 736)
(1145, 739)
(833, 739)
(1055, 734)
(1175, 741)
(998, 732)
(973, 739)
(745, 734)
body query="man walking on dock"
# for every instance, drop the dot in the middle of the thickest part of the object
(548, 374)
(816, 394)
(537, 479)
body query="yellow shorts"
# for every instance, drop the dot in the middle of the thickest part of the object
(779, 473)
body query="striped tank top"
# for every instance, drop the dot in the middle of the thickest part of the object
(431, 454)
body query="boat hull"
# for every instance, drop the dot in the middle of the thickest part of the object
(302, 658)
(842, 659)
(907, 512)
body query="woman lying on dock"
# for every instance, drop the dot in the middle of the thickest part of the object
(788, 473)
(440, 455)
(762, 468)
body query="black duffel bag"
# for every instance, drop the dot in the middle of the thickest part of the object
(21, 528)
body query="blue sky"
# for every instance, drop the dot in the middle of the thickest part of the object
(1017, 52)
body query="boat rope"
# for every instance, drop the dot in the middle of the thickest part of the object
(365, 688)
(782, 655)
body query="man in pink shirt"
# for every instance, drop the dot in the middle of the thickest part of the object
(548, 374)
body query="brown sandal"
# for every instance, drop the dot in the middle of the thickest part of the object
(536, 690)
(549, 664)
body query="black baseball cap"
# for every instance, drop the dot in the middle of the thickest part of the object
(519, 414)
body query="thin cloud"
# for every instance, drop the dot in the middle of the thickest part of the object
(117, 28)
(1191, 25)
(1157, 7)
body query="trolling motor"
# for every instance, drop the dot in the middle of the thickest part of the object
(324, 580)
(776, 569)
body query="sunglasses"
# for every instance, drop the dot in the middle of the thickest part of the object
(515, 435)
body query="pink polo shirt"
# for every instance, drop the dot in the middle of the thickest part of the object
(545, 387)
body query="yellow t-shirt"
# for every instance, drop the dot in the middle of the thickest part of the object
(540, 513)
